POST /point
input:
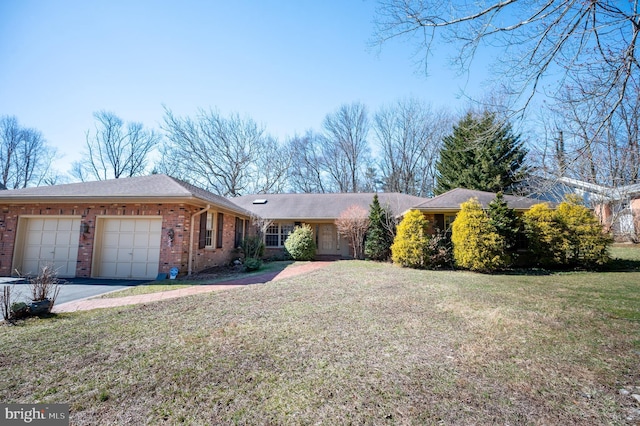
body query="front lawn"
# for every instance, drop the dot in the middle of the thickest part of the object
(356, 342)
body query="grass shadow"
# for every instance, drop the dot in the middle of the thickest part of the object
(622, 265)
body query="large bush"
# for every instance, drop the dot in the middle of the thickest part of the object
(476, 244)
(571, 235)
(547, 241)
(588, 243)
(410, 247)
(300, 244)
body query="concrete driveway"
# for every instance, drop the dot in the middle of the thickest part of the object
(74, 288)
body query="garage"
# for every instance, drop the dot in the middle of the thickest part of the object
(48, 241)
(127, 247)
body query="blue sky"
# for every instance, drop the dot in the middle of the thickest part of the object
(285, 64)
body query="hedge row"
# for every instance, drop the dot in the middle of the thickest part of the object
(487, 240)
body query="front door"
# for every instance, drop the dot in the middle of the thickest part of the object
(327, 239)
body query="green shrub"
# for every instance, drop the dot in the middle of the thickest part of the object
(300, 244)
(410, 247)
(377, 245)
(18, 306)
(252, 264)
(476, 244)
(506, 222)
(253, 247)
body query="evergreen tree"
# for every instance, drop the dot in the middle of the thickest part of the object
(377, 245)
(505, 221)
(481, 154)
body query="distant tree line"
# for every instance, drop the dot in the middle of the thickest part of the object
(407, 147)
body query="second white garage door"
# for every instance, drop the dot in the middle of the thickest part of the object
(128, 248)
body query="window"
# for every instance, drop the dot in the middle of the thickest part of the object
(272, 235)
(448, 220)
(206, 230)
(219, 234)
(277, 234)
(209, 233)
(239, 231)
(285, 230)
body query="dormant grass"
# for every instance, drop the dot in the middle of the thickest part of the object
(354, 343)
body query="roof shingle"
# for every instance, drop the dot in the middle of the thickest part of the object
(161, 187)
(451, 200)
(321, 206)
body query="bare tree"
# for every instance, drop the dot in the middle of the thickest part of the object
(272, 163)
(589, 43)
(345, 150)
(308, 175)
(409, 134)
(587, 150)
(115, 149)
(230, 156)
(25, 157)
(353, 224)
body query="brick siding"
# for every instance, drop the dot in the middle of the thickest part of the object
(172, 253)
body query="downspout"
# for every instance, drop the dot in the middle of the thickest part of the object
(192, 231)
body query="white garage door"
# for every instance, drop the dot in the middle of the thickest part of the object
(51, 241)
(129, 248)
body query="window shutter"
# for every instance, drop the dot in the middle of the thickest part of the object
(239, 231)
(220, 228)
(202, 238)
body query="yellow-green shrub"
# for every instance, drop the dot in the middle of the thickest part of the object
(410, 246)
(588, 243)
(570, 235)
(547, 241)
(476, 244)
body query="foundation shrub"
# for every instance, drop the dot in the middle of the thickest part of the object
(253, 247)
(476, 243)
(300, 244)
(571, 235)
(410, 247)
(252, 264)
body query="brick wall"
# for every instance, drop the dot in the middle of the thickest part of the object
(172, 253)
(208, 257)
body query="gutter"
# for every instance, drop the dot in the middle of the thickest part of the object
(191, 232)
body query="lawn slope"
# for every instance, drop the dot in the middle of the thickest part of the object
(356, 342)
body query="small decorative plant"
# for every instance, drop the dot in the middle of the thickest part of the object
(45, 288)
(252, 264)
